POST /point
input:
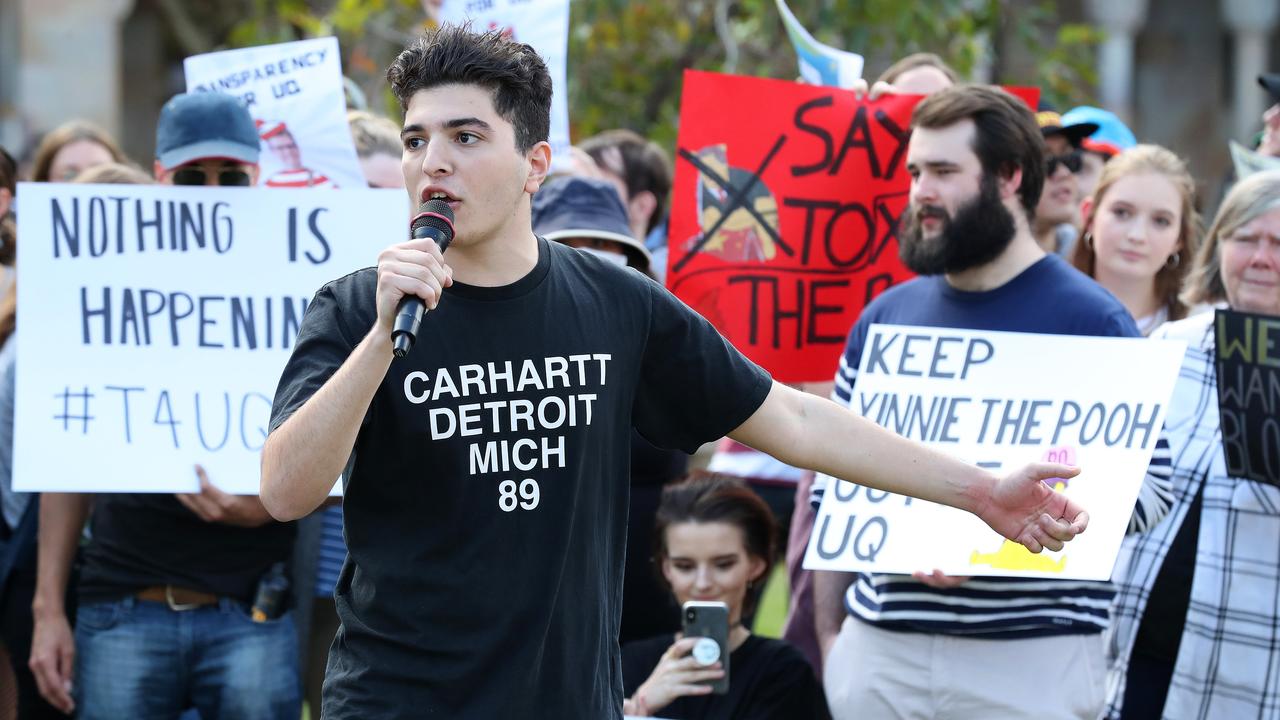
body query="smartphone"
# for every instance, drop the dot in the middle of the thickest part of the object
(709, 621)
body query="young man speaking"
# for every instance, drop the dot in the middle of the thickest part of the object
(486, 508)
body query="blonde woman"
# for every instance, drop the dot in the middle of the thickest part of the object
(1140, 232)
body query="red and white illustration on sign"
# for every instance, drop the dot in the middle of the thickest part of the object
(785, 212)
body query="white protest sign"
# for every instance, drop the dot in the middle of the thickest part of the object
(543, 24)
(820, 64)
(1000, 400)
(154, 323)
(1248, 162)
(294, 93)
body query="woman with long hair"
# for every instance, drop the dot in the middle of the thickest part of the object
(1140, 233)
(72, 147)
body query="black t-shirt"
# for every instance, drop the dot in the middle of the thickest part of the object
(485, 516)
(768, 680)
(140, 540)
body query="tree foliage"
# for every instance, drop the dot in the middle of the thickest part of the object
(627, 57)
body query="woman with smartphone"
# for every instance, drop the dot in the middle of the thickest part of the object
(714, 545)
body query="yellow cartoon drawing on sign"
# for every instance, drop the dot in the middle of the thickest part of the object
(1012, 556)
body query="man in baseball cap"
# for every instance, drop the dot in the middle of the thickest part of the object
(169, 614)
(1110, 139)
(1057, 217)
(206, 138)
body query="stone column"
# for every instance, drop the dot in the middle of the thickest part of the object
(70, 54)
(1120, 20)
(11, 135)
(1251, 23)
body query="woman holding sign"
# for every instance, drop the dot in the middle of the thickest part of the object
(1196, 620)
(1140, 232)
(714, 541)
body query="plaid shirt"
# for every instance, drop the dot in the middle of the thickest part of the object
(1228, 663)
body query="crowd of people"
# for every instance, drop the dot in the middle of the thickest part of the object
(416, 596)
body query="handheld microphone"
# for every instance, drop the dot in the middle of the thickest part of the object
(434, 220)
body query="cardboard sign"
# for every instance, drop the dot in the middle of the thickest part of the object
(544, 24)
(1248, 367)
(783, 227)
(819, 64)
(1000, 400)
(154, 323)
(294, 93)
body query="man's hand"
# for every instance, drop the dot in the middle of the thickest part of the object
(53, 653)
(1024, 509)
(213, 505)
(1270, 144)
(938, 580)
(861, 90)
(416, 268)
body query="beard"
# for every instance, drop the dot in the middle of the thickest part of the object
(978, 233)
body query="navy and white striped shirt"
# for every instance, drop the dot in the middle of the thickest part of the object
(333, 552)
(1048, 297)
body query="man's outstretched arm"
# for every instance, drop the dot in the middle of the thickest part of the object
(808, 431)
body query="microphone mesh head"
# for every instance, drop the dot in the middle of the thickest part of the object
(436, 214)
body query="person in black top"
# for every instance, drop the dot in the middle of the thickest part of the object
(715, 541)
(485, 513)
(164, 593)
(587, 214)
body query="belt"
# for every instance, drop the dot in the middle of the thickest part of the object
(177, 598)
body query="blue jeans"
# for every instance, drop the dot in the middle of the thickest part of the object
(139, 659)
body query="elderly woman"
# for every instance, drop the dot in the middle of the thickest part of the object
(1197, 622)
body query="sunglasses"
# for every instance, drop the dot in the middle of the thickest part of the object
(1072, 161)
(199, 176)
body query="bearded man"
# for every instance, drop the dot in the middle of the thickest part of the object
(929, 645)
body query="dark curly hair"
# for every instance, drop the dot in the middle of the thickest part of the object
(513, 71)
(1006, 137)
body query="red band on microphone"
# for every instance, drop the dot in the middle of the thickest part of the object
(421, 215)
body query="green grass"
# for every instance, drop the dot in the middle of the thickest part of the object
(773, 604)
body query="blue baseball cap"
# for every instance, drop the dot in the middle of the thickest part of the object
(202, 125)
(1112, 136)
(580, 207)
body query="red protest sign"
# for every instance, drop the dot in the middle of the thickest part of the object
(784, 214)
